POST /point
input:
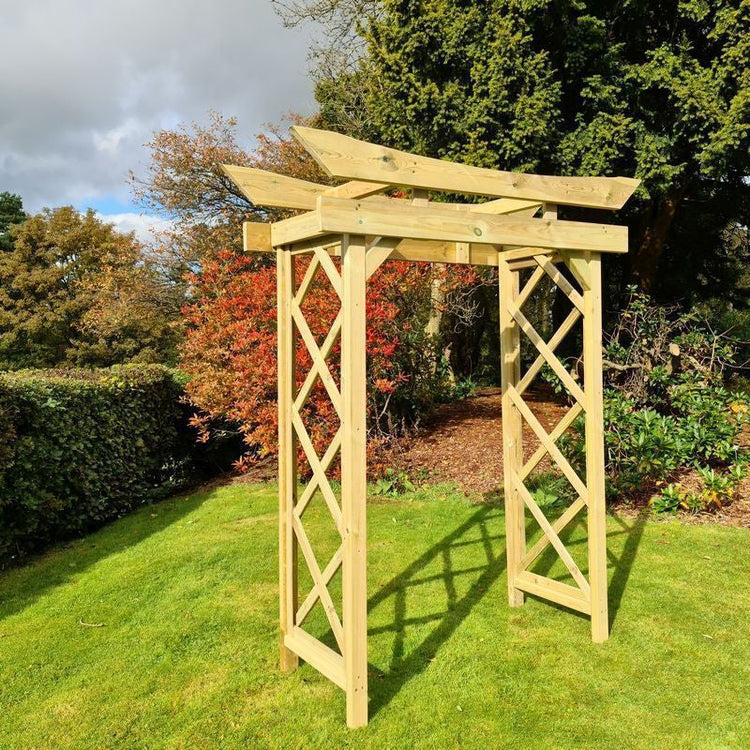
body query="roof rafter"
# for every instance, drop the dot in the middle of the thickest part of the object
(264, 188)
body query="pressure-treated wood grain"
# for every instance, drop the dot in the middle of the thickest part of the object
(554, 591)
(412, 250)
(354, 476)
(554, 539)
(318, 582)
(256, 237)
(548, 444)
(317, 654)
(264, 188)
(592, 379)
(287, 458)
(347, 158)
(510, 372)
(435, 223)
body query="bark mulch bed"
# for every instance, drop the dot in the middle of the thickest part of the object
(463, 442)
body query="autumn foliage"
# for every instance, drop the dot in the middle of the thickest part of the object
(230, 316)
(230, 348)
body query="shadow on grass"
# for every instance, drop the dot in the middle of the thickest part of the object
(404, 667)
(21, 586)
(623, 563)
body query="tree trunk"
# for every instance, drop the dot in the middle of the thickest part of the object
(657, 224)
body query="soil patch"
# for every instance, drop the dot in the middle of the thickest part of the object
(462, 443)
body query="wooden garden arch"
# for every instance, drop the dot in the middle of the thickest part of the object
(364, 229)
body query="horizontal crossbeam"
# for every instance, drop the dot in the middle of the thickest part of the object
(552, 590)
(431, 222)
(347, 158)
(257, 239)
(317, 654)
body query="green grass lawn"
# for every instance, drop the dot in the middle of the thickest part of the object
(186, 655)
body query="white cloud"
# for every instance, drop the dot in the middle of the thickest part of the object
(87, 82)
(110, 141)
(144, 225)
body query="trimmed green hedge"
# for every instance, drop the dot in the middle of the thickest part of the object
(80, 447)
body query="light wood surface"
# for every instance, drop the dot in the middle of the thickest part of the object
(347, 158)
(510, 371)
(432, 222)
(264, 188)
(554, 591)
(287, 458)
(318, 655)
(354, 476)
(410, 250)
(592, 378)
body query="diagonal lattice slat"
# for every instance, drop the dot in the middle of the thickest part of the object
(319, 363)
(548, 444)
(319, 584)
(554, 436)
(326, 576)
(535, 367)
(559, 280)
(324, 464)
(551, 534)
(307, 280)
(561, 523)
(313, 374)
(326, 263)
(549, 356)
(318, 471)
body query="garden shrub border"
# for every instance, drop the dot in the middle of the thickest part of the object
(81, 447)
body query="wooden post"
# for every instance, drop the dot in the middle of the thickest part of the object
(354, 476)
(510, 372)
(592, 379)
(287, 456)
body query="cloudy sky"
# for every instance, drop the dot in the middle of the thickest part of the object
(86, 82)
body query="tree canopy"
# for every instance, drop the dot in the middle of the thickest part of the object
(73, 290)
(11, 212)
(660, 91)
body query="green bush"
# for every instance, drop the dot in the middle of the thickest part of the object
(79, 447)
(667, 410)
(668, 416)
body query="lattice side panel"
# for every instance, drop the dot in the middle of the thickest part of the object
(585, 594)
(320, 570)
(343, 659)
